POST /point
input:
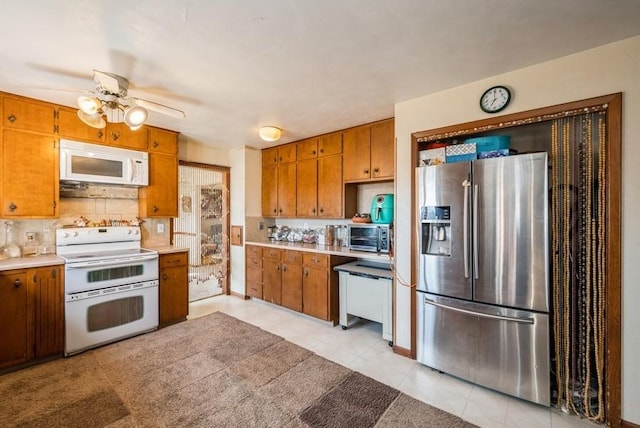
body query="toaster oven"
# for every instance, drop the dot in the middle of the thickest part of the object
(370, 237)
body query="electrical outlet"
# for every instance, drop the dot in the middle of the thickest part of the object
(305, 226)
(160, 227)
(261, 225)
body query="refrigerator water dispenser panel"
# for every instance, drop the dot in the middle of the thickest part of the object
(436, 231)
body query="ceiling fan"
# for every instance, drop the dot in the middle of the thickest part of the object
(110, 101)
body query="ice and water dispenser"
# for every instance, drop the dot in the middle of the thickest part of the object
(436, 230)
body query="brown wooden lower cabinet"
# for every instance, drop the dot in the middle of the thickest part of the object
(174, 288)
(299, 280)
(31, 314)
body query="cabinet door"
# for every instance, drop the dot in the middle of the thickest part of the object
(269, 191)
(287, 190)
(270, 157)
(160, 197)
(16, 326)
(49, 310)
(382, 149)
(287, 153)
(307, 188)
(330, 186)
(162, 141)
(70, 126)
(292, 286)
(356, 155)
(271, 281)
(120, 135)
(330, 144)
(29, 175)
(254, 282)
(174, 294)
(307, 149)
(315, 292)
(28, 115)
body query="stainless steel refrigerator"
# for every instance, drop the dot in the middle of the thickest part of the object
(483, 283)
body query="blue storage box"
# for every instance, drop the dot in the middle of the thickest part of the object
(461, 152)
(492, 142)
(496, 153)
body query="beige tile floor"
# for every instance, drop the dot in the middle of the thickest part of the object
(362, 348)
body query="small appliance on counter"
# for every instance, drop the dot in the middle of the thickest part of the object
(382, 208)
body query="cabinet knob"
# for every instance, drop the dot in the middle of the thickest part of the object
(376, 170)
(313, 152)
(164, 276)
(321, 210)
(280, 158)
(321, 150)
(313, 210)
(155, 209)
(155, 144)
(284, 268)
(366, 171)
(280, 210)
(17, 283)
(278, 268)
(11, 118)
(306, 273)
(12, 207)
(115, 135)
(275, 211)
(100, 134)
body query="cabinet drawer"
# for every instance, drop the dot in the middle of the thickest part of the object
(292, 257)
(315, 260)
(254, 275)
(254, 261)
(253, 251)
(254, 289)
(177, 259)
(271, 253)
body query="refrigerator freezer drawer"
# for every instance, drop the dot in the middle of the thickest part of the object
(502, 349)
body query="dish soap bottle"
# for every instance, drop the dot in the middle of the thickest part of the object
(9, 249)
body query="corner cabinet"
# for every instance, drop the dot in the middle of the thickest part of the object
(174, 288)
(160, 197)
(31, 314)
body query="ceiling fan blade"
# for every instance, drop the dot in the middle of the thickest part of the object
(112, 83)
(160, 108)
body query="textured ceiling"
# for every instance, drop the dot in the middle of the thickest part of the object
(307, 66)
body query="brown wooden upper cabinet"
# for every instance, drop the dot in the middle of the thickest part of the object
(28, 115)
(163, 141)
(369, 152)
(279, 154)
(120, 135)
(70, 126)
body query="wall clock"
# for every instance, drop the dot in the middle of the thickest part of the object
(495, 99)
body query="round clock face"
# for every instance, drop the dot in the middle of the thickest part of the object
(495, 99)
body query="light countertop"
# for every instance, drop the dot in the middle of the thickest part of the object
(30, 262)
(166, 249)
(324, 249)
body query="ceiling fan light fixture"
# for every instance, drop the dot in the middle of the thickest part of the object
(93, 120)
(135, 116)
(89, 105)
(270, 133)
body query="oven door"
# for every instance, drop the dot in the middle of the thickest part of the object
(98, 274)
(97, 317)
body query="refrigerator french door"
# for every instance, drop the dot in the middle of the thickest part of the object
(482, 292)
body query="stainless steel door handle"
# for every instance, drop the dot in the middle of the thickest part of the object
(465, 227)
(475, 231)
(479, 314)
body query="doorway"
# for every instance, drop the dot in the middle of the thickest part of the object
(202, 226)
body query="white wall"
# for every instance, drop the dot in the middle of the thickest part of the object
(194, 152)
(609, 69)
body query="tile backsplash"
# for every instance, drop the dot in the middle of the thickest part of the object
(95, 210)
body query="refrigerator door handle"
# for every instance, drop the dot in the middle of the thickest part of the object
(475, 231)
(478, 314)
(465, 227)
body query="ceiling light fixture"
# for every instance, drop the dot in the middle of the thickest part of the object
(97, 111)
(270, 133)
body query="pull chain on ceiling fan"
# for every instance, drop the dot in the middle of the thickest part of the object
(110, 102)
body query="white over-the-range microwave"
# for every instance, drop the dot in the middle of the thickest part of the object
(92, 163)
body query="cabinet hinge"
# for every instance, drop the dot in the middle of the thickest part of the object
(56, 114)
(55, 129)
(54, 206)
(35, 278)
(53, 273)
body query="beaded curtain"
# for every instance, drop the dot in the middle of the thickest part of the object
(578, 241)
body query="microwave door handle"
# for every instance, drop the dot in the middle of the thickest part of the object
(131, 170)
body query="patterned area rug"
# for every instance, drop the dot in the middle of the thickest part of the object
(214, 371)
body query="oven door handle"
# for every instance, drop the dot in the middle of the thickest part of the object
(113, 262)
